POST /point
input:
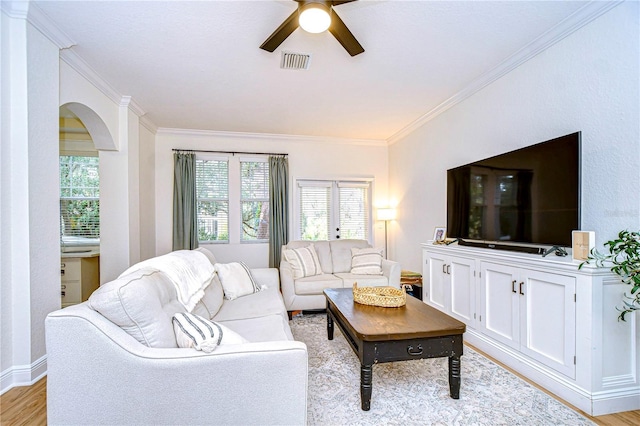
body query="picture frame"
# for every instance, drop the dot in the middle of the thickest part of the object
(439, 234)
(582, 242)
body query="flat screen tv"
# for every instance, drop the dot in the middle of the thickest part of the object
(529, 196)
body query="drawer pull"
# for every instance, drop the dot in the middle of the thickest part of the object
(414, 352)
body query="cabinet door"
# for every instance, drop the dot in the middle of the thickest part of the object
(435, 281)
(499, 303)
(462, 285)
(70, 272)
(547, 319)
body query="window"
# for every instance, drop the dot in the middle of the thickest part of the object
(325, 206)
(233, 199)
(254, 200)
(315, 210)
(79, 200)
(212, 193)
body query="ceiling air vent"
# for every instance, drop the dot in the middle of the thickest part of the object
(295, 61)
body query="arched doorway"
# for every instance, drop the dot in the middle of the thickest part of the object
(82, 134)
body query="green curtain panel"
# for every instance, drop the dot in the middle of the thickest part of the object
(185, 220)
(278, 207)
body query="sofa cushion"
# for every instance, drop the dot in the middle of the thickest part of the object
(323, 250)
(268, 328)
(266, 302)
(207, 253)
(212, 300)
(143, 304)
(316, 284)
(194, 331)
(366, 261)
(236, 280)
(341, 253)
(363, 280)
(304, 261)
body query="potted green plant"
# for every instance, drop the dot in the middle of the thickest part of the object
(624, 260)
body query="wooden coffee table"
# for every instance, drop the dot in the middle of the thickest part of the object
(377, 334)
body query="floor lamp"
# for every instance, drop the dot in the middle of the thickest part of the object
(386, 214)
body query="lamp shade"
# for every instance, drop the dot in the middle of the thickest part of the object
(314, 17)
(386, 214)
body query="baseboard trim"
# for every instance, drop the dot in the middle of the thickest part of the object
(551, 381)
(616, 401)
(23, 375)
(592, 403)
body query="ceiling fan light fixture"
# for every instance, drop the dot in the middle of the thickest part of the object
(314, 17)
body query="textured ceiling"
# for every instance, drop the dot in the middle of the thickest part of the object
(197, 65)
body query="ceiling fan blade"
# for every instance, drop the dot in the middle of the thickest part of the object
(339, 2)
(344, 36)
(284, 30)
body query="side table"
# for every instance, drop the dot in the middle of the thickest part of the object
(413, 281)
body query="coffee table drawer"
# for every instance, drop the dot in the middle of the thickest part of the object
(404, 350)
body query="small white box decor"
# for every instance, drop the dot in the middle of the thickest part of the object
(581, 244)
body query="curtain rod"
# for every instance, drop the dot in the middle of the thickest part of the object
(230, 152)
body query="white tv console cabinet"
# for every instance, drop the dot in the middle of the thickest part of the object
(541, 316)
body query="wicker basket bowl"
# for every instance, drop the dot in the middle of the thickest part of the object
(387, 297)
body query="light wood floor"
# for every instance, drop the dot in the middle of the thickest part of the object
(27, 405)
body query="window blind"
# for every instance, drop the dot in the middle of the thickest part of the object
(254, 200)
(79, 200)
(328, 206)
(212, 192)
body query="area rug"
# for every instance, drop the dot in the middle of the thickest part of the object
(417, 392)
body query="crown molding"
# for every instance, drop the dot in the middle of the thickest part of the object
(85, 70)
(146, 122)
(566, 27)
(269, 136)
(81, 67)
(15, 9)
(43, 23)
(39, 20)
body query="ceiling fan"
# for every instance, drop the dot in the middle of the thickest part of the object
(331, 19)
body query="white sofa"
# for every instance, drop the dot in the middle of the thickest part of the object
(306, 293)
(100, 372)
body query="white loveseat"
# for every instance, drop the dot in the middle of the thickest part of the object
(131, 371)
(335, 258)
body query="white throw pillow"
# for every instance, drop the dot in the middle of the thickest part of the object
(304, 261)
(194, 331)
(142, 303)
(366, 261)
(236, 280)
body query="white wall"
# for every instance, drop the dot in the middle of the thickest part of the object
(587, 82)
(308, 158)
(147, 194)
(5, 294)
(30, 212)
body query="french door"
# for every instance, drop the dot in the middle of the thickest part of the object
(329, 210)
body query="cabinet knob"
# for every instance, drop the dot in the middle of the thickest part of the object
(415, 352)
